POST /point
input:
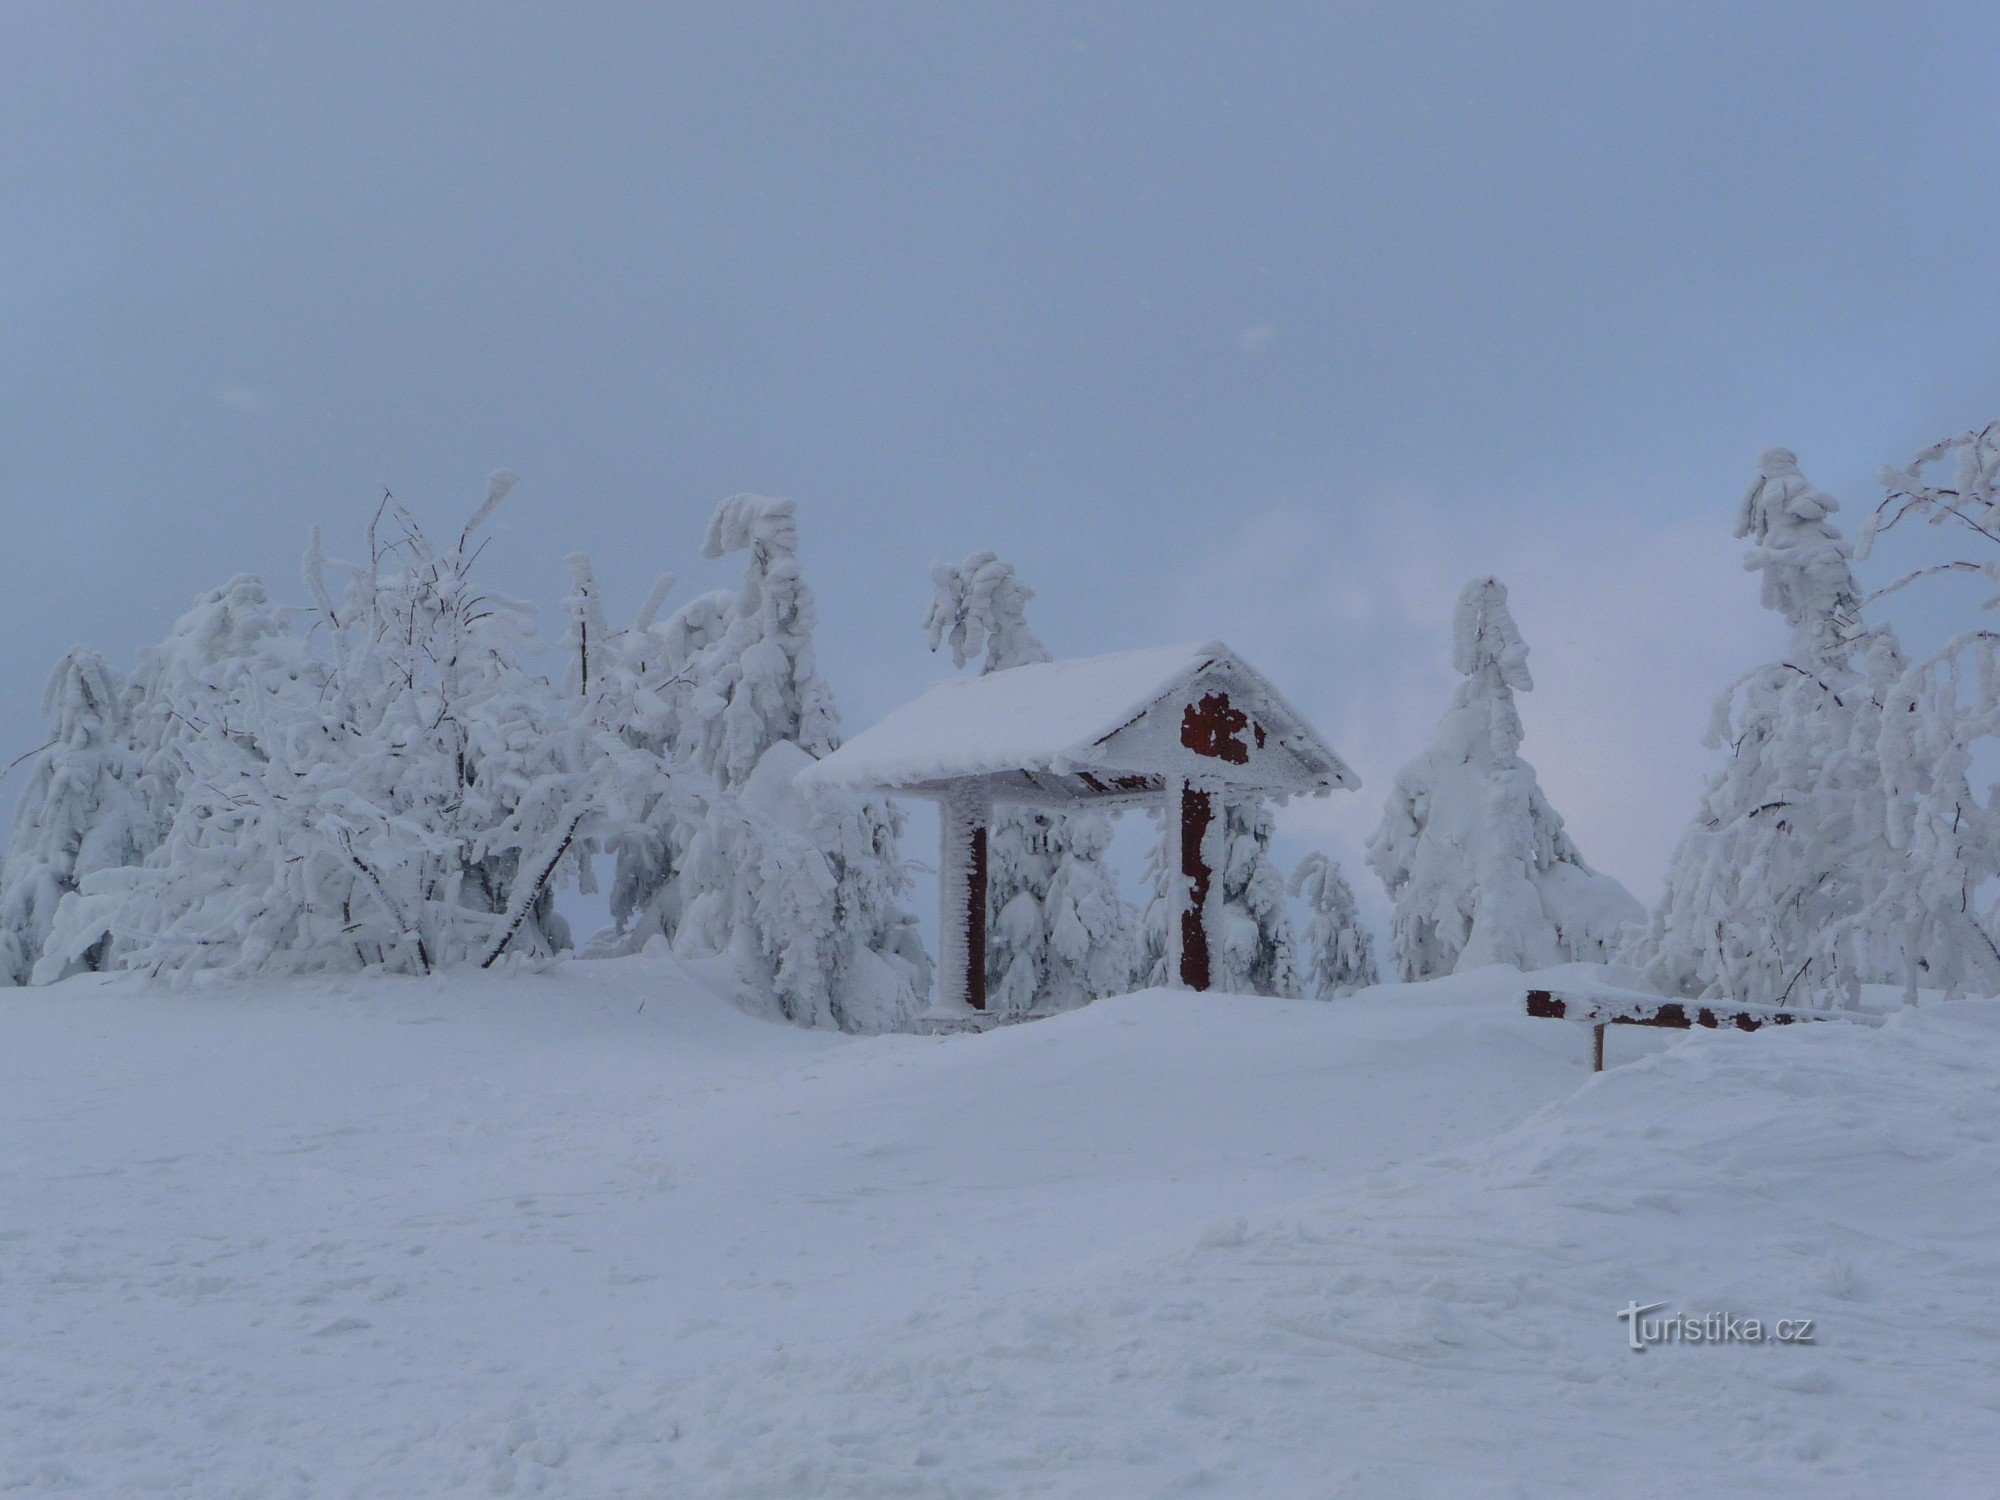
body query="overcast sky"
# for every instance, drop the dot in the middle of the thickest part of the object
(1269, 322)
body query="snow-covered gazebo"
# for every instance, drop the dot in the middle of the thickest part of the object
(1179, 725)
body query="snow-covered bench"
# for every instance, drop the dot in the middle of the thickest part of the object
(1598, 1009)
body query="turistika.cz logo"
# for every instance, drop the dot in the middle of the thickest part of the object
(1642, 1332)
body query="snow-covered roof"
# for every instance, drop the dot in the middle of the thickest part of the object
(1061, 721)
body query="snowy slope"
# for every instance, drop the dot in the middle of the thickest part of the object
(595, 1234)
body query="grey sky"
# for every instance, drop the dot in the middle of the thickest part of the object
(1273, 322)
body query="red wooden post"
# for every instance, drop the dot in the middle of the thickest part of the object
(975, 921)
(1214, 729)
(1197, 812)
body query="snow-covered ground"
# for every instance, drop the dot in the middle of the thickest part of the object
(595, 1234)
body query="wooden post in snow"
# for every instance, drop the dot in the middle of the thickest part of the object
(1173, 884)
(1196, 816)
(963, 816)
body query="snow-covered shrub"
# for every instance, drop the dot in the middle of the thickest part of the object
(209, 671)
(392, 788)
(1781, 890)
(1476, 861)
(1059, 934)
(79, 813)
(1340, 948)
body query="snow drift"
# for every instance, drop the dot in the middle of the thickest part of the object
(594, 1233)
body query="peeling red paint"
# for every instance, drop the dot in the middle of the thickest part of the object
(1213, 729)
(975, 922)
(1197, 812)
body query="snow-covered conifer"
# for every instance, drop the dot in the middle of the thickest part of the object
(651, 682)
(982, 605)
(792, 902)
(78, 814)
(798, 892)
(1059, 934)
(1476, 861)
(1257, 954)
(758, 683)
(1093, 943)
(1341, 949)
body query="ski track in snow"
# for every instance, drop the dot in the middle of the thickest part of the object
(594, 1234)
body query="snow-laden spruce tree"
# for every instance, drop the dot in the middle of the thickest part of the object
(1773, 894)
(1256, 950)
(1475, 860)
(797, 894)
(650, 679)
(1340, 948)
(392, 789)
(1937, 894)
(758, 682)
(793, 902)
(79, 813)
(1059, 934)
(1257, 953)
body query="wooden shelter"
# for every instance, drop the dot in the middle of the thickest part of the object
(1182, 726)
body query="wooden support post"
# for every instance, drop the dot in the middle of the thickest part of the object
(1173, 889)
(1197, 813)
(963, 817)
(1597, 1048)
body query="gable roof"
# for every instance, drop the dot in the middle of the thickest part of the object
(1056, 718)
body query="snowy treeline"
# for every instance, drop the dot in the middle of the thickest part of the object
(1840, 843)
(376, 778)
